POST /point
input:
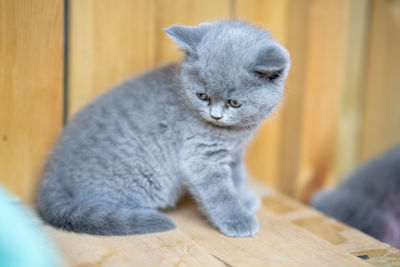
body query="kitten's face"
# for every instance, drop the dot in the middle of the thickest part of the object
(233, 73)
(235, 100)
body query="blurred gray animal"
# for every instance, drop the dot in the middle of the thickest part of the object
(181, 127)
(369, 199)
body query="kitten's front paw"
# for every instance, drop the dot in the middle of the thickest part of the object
(239, 225)
(252, 202)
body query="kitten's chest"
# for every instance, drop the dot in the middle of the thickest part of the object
(206, 144)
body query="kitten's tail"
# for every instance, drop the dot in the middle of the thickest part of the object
(59, 209)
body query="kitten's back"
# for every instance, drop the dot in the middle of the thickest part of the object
(77, 191)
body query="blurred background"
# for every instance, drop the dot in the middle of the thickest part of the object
(342, 102)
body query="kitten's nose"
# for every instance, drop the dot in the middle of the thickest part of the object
(216, 117)
(217, 110)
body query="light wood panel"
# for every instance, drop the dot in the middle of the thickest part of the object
(324, 79)
(31, 75)
(108, 41)
(332, 111)
(350, 112)
(381, 116)
(341, 100)
(160, 249)
(183, 12)
(297, 41)
(291, 234)
(313, 139)
(111, 40)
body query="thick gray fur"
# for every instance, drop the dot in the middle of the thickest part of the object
(136, 149)
(369, 199)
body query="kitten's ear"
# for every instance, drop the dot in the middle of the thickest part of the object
(188, 37)
(271, 63)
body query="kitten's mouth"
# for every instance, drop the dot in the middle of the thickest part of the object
(217, 122)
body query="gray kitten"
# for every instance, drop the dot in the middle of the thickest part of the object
(369, 199)
(181, 127)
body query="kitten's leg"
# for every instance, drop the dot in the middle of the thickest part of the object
(239, 177)
(211, 184)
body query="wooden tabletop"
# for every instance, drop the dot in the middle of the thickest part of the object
(291, 234)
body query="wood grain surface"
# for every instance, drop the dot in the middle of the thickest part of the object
(31, 77)
(340, 101)
(183, 12)
(340, 106)
(323, 81)
(351, 93)
(291, 235)
(381, 117)
(108, 41)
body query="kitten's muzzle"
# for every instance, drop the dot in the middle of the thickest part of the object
(216, 117)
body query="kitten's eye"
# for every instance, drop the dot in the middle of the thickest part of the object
(203, 96)
(269, 75)
(234, 103)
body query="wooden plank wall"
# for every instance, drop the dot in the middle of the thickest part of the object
(111, 40)
(341, 103)
(108, 42)
(381, 113)
(31, 89)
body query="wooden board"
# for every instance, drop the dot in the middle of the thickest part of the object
(323, 81)
(343, 236)
(340, 105)
(183, 12)
(297, 35)
(31, 89)
(326, 123)
(108, 41)
(351, 93)
(381, 118)
(291, 235)
(112, 40)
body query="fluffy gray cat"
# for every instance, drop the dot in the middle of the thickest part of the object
(369, 199)
(181, 127)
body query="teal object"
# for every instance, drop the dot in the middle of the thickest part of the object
(22, 240)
